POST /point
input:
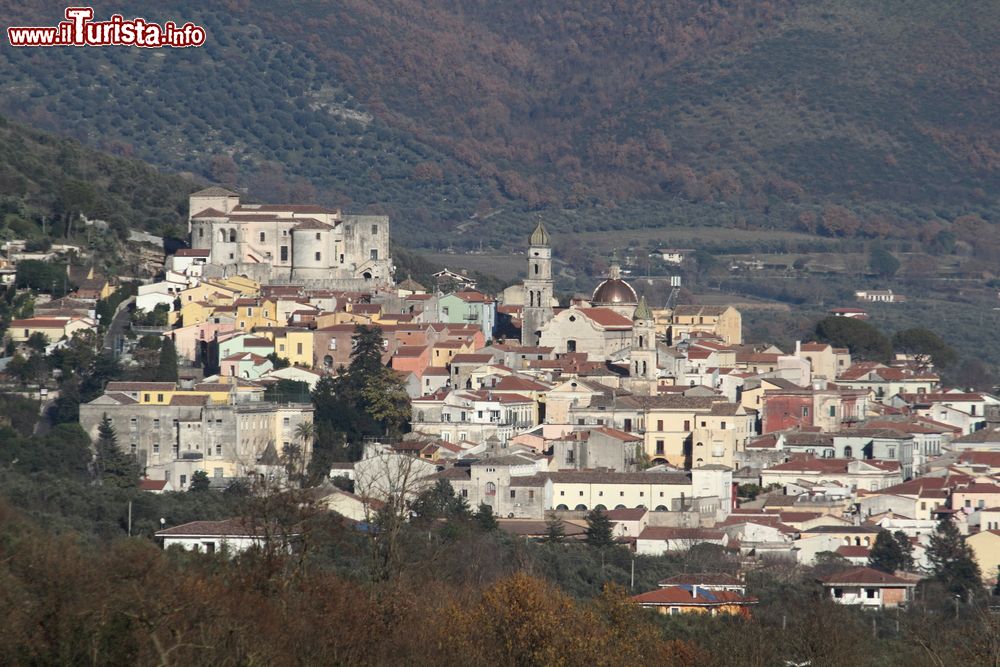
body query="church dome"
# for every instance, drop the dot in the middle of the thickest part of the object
(614, 291)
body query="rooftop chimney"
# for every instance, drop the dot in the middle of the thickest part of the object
(694, 591)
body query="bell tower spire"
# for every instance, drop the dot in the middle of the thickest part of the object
(538, 286)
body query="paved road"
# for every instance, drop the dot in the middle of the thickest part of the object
(116, 331)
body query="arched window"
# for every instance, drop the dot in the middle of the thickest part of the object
(619, 507)
(581, 508)
(531, 297)
(644, 368)
(602, 508)
(491, 489)
(536, 268)
(868, 541)
(222, 235)
(642, 340)
(660, 508)
(571, 345)
(848, 452)
(640, 507)
(366, 275)
(328, 361)
(699, 462)
(232, 236)
(561, 508)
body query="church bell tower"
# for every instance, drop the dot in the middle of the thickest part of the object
(537, 287)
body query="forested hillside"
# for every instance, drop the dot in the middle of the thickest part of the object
(839, 118)
(47, 181)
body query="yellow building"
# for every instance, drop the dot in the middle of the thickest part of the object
(986, 549)
(722, 321)
(291, 343)
(253, 313)
(694, 599)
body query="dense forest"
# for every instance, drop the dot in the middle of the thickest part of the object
(842, 119)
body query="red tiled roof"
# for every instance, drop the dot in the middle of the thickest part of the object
(686, 596)
(193, 252)
(471, 358)
(147, 484)
(606, 318)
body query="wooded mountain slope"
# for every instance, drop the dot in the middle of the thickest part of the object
(841, 118)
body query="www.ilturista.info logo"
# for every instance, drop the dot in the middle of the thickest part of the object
(79, 29)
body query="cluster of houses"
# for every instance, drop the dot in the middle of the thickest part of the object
(658, 416)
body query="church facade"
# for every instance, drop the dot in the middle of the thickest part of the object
(290, 243)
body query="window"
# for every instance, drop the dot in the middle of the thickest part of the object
(159, 398)
(531, 494)
(660, 447)
(146, 398)
(209, 547)
(871, 593)
(674, 611)
(262, 237)
(848, 452)
(318, 237)
(723, 426)
(805, 412)
(298, 348)
(319, 255)
(286, 420)
(184, 479)
(284, 253)
(838, 593)
(374, 253)
(491, 489)
(513, 493)
(156, 448)
(833, 410)
(659, 425)
(156, 423)
(465, 493)
(687, 425)
(218, 450)
(133, 449)
(571, 346)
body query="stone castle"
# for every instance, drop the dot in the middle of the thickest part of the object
(290, 243)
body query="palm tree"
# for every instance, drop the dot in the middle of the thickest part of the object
(306, 432)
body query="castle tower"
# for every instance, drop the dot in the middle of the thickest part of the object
(643, 356)
(537, 287)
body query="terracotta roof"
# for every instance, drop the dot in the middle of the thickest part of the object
(606, 318)
(188, 400)
(470, 296)
(692, 596)
(146, 484)
(626, 514)
(193, 252)
(225, 528)
(310, 224)
(991, 459)
(140, 386)
(618, 435)
(410, 350)
(471, 358)
(514, 383)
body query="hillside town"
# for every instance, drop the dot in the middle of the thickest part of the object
(661, 421)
